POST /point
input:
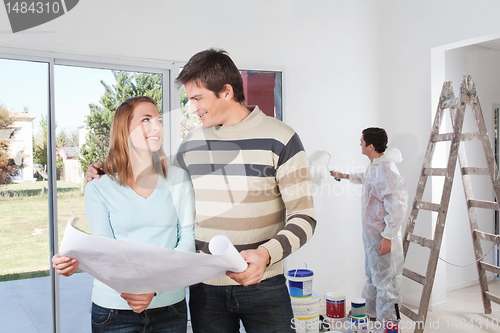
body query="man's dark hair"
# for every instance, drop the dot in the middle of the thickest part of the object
(213, 69)
(377, 137)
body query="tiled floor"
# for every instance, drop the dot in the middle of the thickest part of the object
(463, 313)
(25, 308)
(25, 305)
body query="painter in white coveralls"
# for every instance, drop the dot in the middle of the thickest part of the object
(384, 204)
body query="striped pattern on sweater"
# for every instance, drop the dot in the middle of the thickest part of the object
(252, 184)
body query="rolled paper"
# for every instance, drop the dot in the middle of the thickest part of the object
(221, 246)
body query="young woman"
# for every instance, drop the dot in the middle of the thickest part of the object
(144, 200)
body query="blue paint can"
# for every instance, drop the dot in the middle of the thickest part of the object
(300, 283)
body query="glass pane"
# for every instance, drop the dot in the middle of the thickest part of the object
(24, 231)
(262, 88)
(85, 102)
(496, 112)
(189, 121)
(76, 90)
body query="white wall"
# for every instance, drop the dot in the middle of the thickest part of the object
(418, 28)
(482, 64)
(348, 65)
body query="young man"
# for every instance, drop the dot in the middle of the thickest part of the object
(252, 184)
(251, 180)
(384, 203)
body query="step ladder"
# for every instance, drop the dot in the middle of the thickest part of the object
(457, 108)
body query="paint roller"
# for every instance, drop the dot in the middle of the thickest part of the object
(319, 155)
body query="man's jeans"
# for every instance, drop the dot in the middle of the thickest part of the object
(168, 319)
(263, 307)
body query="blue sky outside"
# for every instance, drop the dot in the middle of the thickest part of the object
(25, 84)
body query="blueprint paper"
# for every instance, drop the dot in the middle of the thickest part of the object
(221, 246)
(139, 268)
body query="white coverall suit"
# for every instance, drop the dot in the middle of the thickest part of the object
(384, 204)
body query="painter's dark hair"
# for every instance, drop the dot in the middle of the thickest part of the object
(213, 69)
(377, 137)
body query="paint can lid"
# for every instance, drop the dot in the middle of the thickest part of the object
(358, 301)
(358, 319)
(300, 273)
(334, 296)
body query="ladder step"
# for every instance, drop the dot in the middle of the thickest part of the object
(463, 137)
(470, 136)
(428, 206)
(489, 267)
(483, 204)
(414, 276)
(475, 171)
(492, 297)
(409, 313)
(422, 241)
(449, 102)
(487, 236)
(435, 172)
(442, 137)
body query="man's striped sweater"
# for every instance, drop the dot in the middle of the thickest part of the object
(252, 184)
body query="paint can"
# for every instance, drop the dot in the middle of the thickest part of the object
(306, 314)
(358, 306)
(357, 324)
(335, 305)
(392, 326)
(300, 283)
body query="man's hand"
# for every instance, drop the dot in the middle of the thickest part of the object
(138, 303)
(384, 246)
(92, 171)
(257, 261)
(338, 175)
(65, 266)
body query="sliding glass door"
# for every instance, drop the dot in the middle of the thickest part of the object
(51, 128)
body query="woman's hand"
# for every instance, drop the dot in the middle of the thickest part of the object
(138, 303)
(65, 266)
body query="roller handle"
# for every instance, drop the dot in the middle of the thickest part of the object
(337, 179)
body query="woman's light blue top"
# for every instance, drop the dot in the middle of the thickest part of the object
(165, 218)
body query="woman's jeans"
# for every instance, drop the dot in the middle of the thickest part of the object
(168, 319)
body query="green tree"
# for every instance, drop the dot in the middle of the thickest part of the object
(8, 169)
(188, 120)
(65, 139)
(40, 143)
(99, 120)
(5, 118)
